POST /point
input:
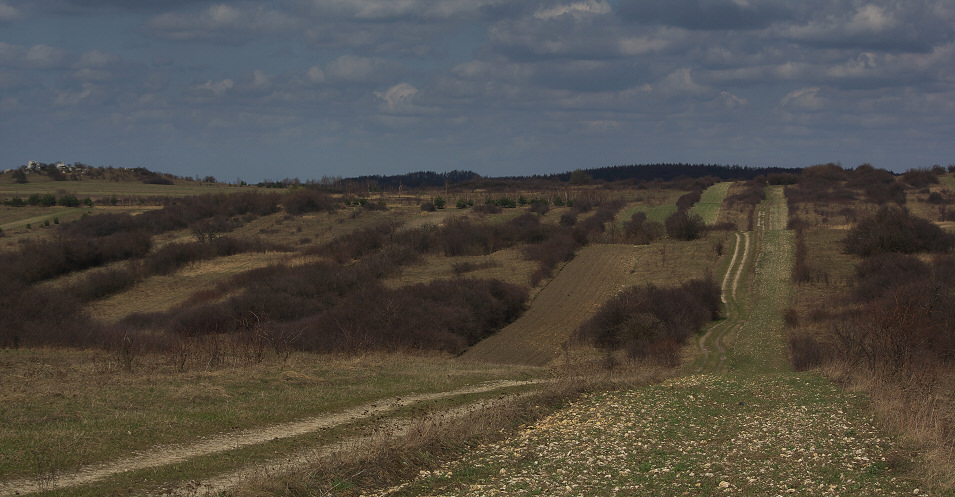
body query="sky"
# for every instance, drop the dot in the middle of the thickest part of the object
(311, 88)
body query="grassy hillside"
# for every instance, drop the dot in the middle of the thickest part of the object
(412, 333)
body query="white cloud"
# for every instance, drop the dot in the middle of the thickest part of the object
(802, 99)
(9, 13)
(222, 23)
(679, 82)
(315, 75)
(577, 10)
(630, 46)
(96, 59)
(216, 88)
(35, 57)
(260, 80)
(397, 98)
(70, 98)
(356, 69)
(871, 19)
(379, 10)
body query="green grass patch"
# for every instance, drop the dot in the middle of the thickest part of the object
(73, 407)
(696, 435)
(97, 188)
(710, 202)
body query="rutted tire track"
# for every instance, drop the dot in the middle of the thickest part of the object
(173, 454)
(728, 296)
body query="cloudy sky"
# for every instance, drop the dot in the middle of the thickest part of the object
(305, 88)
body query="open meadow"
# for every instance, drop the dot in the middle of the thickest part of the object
(164, 336)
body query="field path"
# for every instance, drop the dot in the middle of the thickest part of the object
(595, 274)
(732, 318)
(748, 426)
(167, 455)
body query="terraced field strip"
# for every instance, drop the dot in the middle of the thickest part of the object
(711, 202)
(595, 274)
(167, 455)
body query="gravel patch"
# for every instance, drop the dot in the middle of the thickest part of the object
(790, 434)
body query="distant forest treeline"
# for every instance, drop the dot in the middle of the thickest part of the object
(420, 179)
(636, 172)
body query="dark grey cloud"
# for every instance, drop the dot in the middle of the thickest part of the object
(706, 14)
(482, 84)
(233, 23)
(886, 25)
(35, 8)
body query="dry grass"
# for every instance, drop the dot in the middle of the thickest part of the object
(166, 292)
(921, 412)
(96, 188)
(710, 205)
(64, 408)
(507, 265)
(396, 455)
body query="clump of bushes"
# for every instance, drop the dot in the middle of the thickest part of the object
(442, 315)
(895, 229)
(304, 200)
(683, 225)
(920, 178)
(650, 321)
(753, 194)
(642, 231)
(687, 200)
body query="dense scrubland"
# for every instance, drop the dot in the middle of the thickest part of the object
(336, 300)
(276, 273)
(873, 283)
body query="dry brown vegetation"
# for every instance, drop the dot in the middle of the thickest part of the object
(873, 280)
(200, 297)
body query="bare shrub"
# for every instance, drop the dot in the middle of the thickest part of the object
(894, 229)
(687, 200)
(303, 200)
(642, 319)
(551, 252)
(791, 317)
(682, 225)
(37, 316)
(487, 209)
(568, 219)
(641, 231)
(596, 223)
(175, 255)
(920, 178)
(442, 315)
(884, 193)
(805, 352)
(463, 267)
(356, 244)
(753, 194)
(106, 282)
(876, 275)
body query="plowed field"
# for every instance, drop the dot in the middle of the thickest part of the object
(593, 276)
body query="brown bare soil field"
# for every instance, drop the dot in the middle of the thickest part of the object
(597, 273)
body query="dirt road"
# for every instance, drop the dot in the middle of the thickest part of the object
(167, 455)
(750, 426)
